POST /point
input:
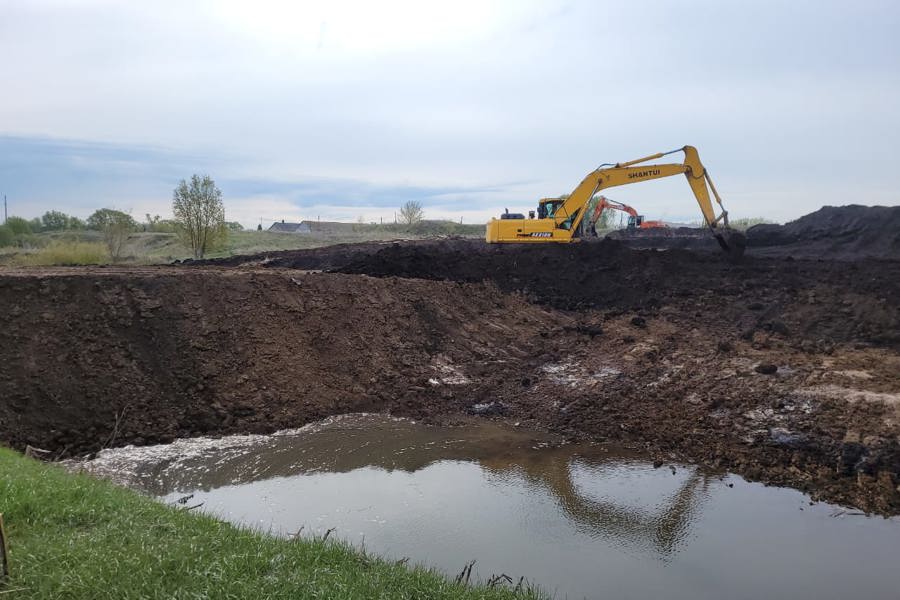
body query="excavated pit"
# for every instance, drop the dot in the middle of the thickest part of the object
(781, 370)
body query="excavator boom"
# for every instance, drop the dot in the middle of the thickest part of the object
(563, 224)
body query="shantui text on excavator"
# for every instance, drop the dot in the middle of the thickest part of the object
(559, 219)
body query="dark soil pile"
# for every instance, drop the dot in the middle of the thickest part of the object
(813, 302)
(833, 232)
(778, 369)
(852, 232)
(312, 259)
(90, 358)
(697, 239)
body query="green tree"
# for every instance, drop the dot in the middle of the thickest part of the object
(116, 226)
(234, 226)
(199, 214)
(6, 236)
(53, 220)
(19, 226)
(104, 217)
(411, 212)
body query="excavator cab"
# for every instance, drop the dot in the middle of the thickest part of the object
(635, 221)
(547, 207)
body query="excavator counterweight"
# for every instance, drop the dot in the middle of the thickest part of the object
(559, 220)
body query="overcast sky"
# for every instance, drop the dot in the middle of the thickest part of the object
(343, 109)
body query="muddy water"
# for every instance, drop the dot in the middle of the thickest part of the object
(578, 520)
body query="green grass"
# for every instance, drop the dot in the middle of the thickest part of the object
(59, 248)
(66, 253)
(73, 536)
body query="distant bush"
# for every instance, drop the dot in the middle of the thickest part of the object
(7, 237)
(166, 226)
(20, 232)
(19, 226)
(156, 224)
(53, 220)
(116, 226)
(411, 212)
(66, 254)
(748, 222)
(104, 217)
(431, 227)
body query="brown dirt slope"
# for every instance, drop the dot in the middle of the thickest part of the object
(724, 374)
(94, 357)
(813, 302)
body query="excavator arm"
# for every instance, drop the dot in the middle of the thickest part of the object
(563, 225)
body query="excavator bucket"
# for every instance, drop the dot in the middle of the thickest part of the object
(733, 242)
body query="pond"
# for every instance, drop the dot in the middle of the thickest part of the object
(578, 520)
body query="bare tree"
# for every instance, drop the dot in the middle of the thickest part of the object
(411, 212)
(115, 234)
(199, 214)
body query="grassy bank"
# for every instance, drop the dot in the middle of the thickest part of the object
(76, 537)
(87, 247)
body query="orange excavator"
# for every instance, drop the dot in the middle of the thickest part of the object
(635, 221)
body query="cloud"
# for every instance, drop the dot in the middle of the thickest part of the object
(79, 177)
(468, 106)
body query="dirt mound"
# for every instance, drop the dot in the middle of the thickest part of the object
(110, 357)
(313, 259)
(834, 232)
(94, 357)
(683, 238)
(810, 302)
(852, 232)
(813, 302)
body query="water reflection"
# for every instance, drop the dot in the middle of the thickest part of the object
(345, 445)
(581, 520)
(662, 527)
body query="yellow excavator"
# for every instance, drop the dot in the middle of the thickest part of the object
(559, 219)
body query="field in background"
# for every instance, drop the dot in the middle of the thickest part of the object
(87, 247)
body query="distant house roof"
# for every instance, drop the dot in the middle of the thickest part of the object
(283, 227)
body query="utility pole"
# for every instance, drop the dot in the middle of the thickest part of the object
(5, 216)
